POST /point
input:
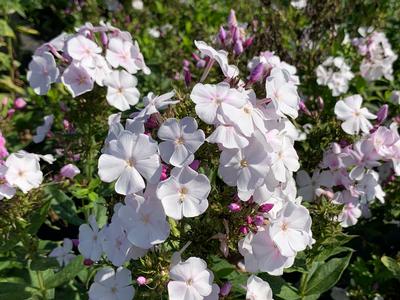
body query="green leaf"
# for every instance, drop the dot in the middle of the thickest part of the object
(13, 291)
(280, 288)
(326, 253)
(66, 274)
(392, 265)
(39, 217)
(323, 275)
(5, 29)
(63, 205)
(221, 267)
(27, 30)
(43, 263)
(10, 263)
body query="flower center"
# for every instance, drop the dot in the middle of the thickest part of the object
(113, 290)
(130, 162)
(180, 141)
(284, 226)
(21, 173)
(189, 281)
(247, 110)
(145, 218)
(182, 193)
(244, 163)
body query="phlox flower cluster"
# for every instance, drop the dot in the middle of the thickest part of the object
(378, 56)
(336, 74)
(353, 175)
(257, 158)
(101, 54)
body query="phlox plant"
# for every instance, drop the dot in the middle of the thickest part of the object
(248, 176)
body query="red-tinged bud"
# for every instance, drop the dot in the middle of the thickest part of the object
(104, 38)
(244, 229)
(266, 207)
(257, 73)
(222, 35)
(88, 262)
(232, 19)
(248, 42)
(238, 49)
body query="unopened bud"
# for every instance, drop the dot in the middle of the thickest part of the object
(222, 35)
(104, 38)
(382, 114)
(244, 229)
(266, 207)
(141, 280)
(225, 289)
(238, 49)
(257, 73)
(232, 18)
(248, 42)
(234, 207)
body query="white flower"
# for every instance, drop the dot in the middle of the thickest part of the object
(210, 100)
(282, 93)
(354, 116)
(350, 214)
(42, 72)
(290, 231)
(268, 256)
(228, 136)
(181, 139)
(130, 157)
(220, 56)
(244, 168)
(77, 80)
(100, 70)
(90, 240)
(119, 53)
(336, 74)
(184, 193)
(63, 253)
(43, 130)
(298, 4)
(23, 171)
(144, 220)
(248, 118)
(121, 90)
(284, 159)
(258, 289)
(190, 280)
(137, 4)
(83, 50)
(112, 285)
(116, 244)
(153, 104)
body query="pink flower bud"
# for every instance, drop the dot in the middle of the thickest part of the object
(10, 113)
(232, 18)
(234, 207)
(243, 229)
(201, 64)
(266, 207)
(235, 31)
(222, 35)
(186, 63)
(238, 49)
(88, 262)
(187, 76)
(141, 280)
(69, 171)
(257, 73)
(195, 164)
(304, 108)
(19, 103)
(4, 101)
(225, 289)
(258, 220)
(382, 114)
(249, 220)
(75, 242)
(248, 42)
(152, 122)
(104, 38)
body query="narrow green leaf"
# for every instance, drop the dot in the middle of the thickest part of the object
(66, 274)
(5, 29)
